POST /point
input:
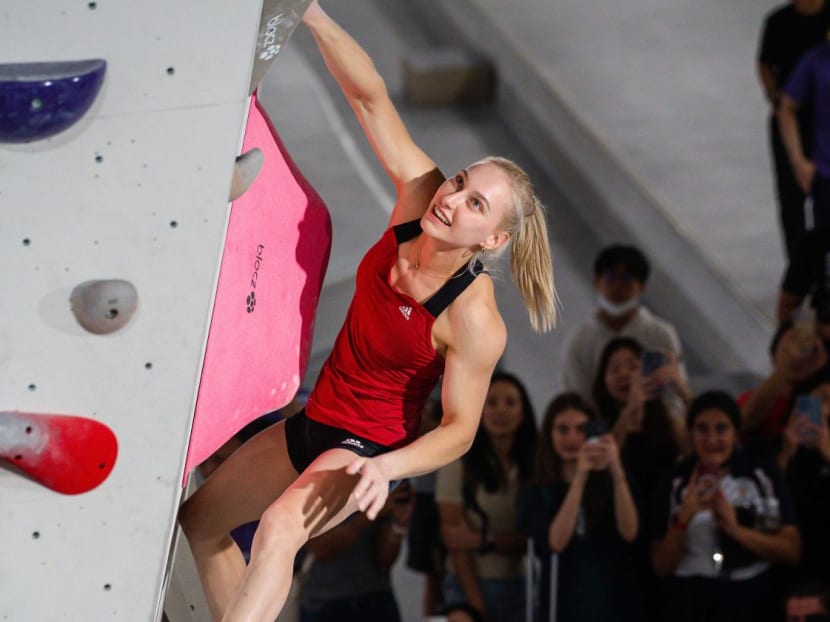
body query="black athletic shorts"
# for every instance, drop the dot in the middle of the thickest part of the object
(307, 439)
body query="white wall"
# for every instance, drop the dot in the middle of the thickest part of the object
(166, 141)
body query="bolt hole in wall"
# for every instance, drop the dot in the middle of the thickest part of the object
(171, 71)
(173, 224)
(32, 387)
(111, 314)
(92, 6)
(35, 535)
(26, 241)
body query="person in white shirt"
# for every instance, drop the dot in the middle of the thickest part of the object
(620, 276)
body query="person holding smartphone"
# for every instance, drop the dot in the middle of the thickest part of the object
(621, 275)
(581, 507)
(723, 519)
(648, 436)
(803, 453)
(797, 355)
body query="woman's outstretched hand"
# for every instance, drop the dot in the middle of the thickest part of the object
(372, 488)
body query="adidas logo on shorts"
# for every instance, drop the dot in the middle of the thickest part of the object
(352, 442)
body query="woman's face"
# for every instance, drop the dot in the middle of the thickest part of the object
(568, 433)
(469, 209)
(623, 366)
(713, 437)
(502, 413)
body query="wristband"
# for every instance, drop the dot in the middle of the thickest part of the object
(678, 523)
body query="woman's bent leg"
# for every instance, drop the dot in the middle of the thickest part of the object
(318, 500)
(238, 492)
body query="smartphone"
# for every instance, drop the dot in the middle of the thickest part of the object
(651, 361)
(809, 407)
(804, 324)
(708, 478)
(593, 429)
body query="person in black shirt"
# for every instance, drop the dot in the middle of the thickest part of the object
(582, 508)
(788, 32)
(802, 451)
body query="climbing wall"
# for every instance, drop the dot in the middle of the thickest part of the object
(119, 126)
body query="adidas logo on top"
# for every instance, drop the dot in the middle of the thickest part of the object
(405, 311)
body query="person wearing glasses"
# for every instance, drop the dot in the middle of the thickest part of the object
(724, 524)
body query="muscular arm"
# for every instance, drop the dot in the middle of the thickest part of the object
(412, 171)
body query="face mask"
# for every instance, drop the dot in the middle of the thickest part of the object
(616, 310)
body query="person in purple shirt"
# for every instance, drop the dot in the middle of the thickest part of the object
(789, 30)
(809, 268)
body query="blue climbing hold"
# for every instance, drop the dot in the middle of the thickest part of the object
(39, 100)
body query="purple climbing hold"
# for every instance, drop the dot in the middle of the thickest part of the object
(39, 100)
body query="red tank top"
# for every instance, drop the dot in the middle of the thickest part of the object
(383, 365)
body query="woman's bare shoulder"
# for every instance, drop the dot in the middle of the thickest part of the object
(474, 315)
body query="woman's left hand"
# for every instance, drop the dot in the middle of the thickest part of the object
(725, 514)
(372, 488)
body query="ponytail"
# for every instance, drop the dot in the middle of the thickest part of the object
(531, 266)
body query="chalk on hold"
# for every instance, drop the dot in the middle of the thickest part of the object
(447, 75)
(278, 21)
(104, 306)
(245, 170)
(44, 99)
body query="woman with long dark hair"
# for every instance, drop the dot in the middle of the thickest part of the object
(648, 437)
(581, 508)
(477, 497)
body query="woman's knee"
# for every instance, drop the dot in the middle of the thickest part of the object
(281, 527)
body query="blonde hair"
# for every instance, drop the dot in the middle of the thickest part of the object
(531, 266)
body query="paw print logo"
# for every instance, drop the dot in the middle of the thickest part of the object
(270, 52)
(250, 301)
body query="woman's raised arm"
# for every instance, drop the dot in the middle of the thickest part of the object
(412, 171)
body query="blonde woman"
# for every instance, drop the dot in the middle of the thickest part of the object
(423, 310)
